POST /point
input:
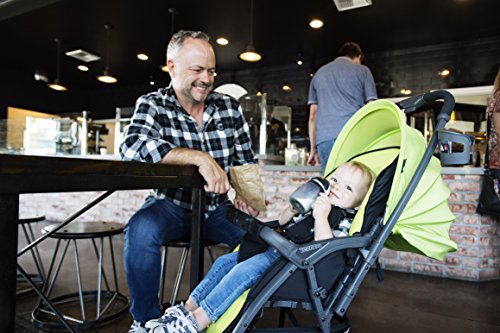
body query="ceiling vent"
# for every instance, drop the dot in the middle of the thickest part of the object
(351, 4)
(82, 55)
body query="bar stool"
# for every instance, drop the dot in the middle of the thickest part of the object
(39, 278)
(107, 304)
(184, 244)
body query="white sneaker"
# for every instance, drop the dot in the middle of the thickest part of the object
(137, 328)
(174, 311)
(177, 320)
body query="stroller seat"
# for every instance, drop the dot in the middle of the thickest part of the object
(406, 209)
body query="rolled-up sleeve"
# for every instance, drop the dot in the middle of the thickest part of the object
(143, 140)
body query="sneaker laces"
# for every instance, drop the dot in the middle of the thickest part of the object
(182, 321)
(173, 311)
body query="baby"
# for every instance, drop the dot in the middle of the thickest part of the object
(228, 278)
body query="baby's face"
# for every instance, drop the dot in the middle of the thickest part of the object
(348, 188)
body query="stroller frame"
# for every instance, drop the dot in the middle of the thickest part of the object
(368, 245)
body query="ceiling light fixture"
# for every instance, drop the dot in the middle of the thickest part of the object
(83, 68)
(56, 85)
(250, 54)
(172, 12)
(316, 23)
(106, 76)
(142, 56)
(351, 4)
(300, 60)
(444, 72)
(222, 41)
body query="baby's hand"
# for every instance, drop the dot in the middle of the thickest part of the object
(286, 214)
(321, 207)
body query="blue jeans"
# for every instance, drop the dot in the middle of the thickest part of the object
(158, 221)
(228, 279)
(324, 149)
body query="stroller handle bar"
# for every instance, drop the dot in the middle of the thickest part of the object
(288, 249)
(413, 104)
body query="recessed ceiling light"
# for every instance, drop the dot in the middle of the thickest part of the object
(299, 62)
(222, 41)
(142, 56)
(164, 68)
(286, 87)
(83, 68)
(316, 23)
(444, 72)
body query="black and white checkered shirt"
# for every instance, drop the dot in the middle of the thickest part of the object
(160, 124)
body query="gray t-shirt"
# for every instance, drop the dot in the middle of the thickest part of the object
(340, 88)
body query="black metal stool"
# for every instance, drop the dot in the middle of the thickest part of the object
(107, 304)
(39, 278)
(185, 245)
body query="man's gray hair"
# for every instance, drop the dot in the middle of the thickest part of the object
(179, 37)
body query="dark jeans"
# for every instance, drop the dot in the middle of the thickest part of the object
(158, 221)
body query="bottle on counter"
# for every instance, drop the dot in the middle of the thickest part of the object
(84, 134)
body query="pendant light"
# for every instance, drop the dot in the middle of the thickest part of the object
(250, 54)
(172, 12)
(56, 85)
(106, 76)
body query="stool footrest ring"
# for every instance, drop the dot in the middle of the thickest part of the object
(116, 305)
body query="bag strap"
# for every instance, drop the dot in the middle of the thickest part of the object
(487, 152)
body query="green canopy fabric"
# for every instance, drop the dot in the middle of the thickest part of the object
(379, 129)
(424, 224)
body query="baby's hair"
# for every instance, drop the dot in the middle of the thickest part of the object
(366, 172)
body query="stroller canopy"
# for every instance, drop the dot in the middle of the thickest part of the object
(376, 135)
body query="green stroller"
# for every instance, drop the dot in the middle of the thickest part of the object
(406, 209)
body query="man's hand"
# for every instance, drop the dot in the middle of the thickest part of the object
(313, 158)
(242, 205)
(286, 214)
(216, 178)
(212, 173)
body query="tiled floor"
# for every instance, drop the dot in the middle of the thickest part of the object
(401, 303)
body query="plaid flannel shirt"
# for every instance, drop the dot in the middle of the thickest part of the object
(160, 124)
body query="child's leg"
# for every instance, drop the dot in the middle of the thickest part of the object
(240, 278)
(219, 269)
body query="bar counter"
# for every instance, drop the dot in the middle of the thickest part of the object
(43, 174)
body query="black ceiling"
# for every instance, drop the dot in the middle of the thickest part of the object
(281, 31)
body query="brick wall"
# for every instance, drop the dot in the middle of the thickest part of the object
(478, 238)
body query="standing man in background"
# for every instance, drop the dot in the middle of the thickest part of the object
(337, 91)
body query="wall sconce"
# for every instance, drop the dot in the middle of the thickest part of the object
(106, 76)
(250, 54)
(56, 85)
